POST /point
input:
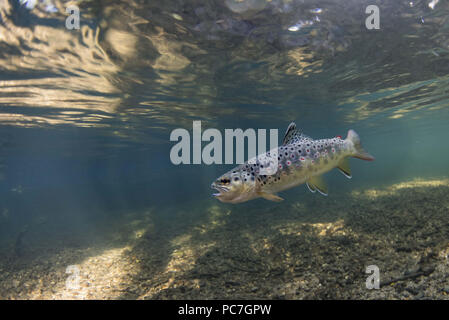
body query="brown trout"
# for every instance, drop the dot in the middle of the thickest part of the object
(299, 160)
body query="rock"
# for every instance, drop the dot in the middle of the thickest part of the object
(446, 289)
(412, 290)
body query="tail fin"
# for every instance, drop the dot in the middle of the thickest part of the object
(359, 152)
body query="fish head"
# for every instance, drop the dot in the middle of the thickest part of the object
(234, 186)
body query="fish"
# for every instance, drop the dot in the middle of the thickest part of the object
(300, 159)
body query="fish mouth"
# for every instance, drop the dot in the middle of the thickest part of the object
(220, 189)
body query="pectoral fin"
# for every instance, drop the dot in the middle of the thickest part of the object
(344, 168)
(270, 196)
(316, 183)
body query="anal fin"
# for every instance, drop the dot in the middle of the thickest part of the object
(270, 196)
(311, 187)
(344, 168)
(316, 183)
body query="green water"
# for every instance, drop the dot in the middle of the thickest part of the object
(85, 171)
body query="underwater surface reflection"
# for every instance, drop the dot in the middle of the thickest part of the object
(85, 173)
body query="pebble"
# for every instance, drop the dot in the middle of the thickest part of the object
(412, 290)
(419, 296)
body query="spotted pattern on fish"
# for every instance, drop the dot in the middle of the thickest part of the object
(299, 155)
(300, 159)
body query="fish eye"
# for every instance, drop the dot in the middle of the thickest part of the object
(236, 179)
(225, 181)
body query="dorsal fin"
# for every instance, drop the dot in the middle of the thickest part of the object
(293, 134)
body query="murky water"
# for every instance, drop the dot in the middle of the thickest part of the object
(85, 173)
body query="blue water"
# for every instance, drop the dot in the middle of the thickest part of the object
(86, 116)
